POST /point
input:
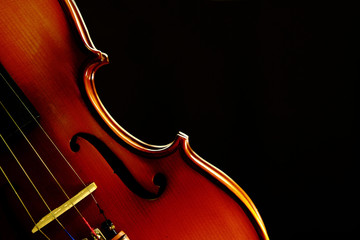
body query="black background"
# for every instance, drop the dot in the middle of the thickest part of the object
(265, 90)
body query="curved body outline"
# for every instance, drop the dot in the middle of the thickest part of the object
(159, 150)
(50, 56)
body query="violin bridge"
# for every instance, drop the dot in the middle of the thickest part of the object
(64, 207)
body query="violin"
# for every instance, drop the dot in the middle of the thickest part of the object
(70, 171)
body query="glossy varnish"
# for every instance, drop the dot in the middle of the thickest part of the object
(46, 49)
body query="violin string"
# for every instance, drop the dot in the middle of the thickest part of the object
(49, 138)
(102, 212)
(47, 168)
(21, 201)
(31, 182)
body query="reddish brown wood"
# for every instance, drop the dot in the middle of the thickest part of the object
(46, 49)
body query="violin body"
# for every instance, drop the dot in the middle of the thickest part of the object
(147, 191)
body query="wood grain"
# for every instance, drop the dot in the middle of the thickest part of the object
(48, 52)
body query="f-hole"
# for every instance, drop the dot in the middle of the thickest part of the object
(119, 167)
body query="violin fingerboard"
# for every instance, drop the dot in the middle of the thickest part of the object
(14, 103)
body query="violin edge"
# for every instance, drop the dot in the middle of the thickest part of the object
(226, 181)
(100, 59)
(181, 139)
